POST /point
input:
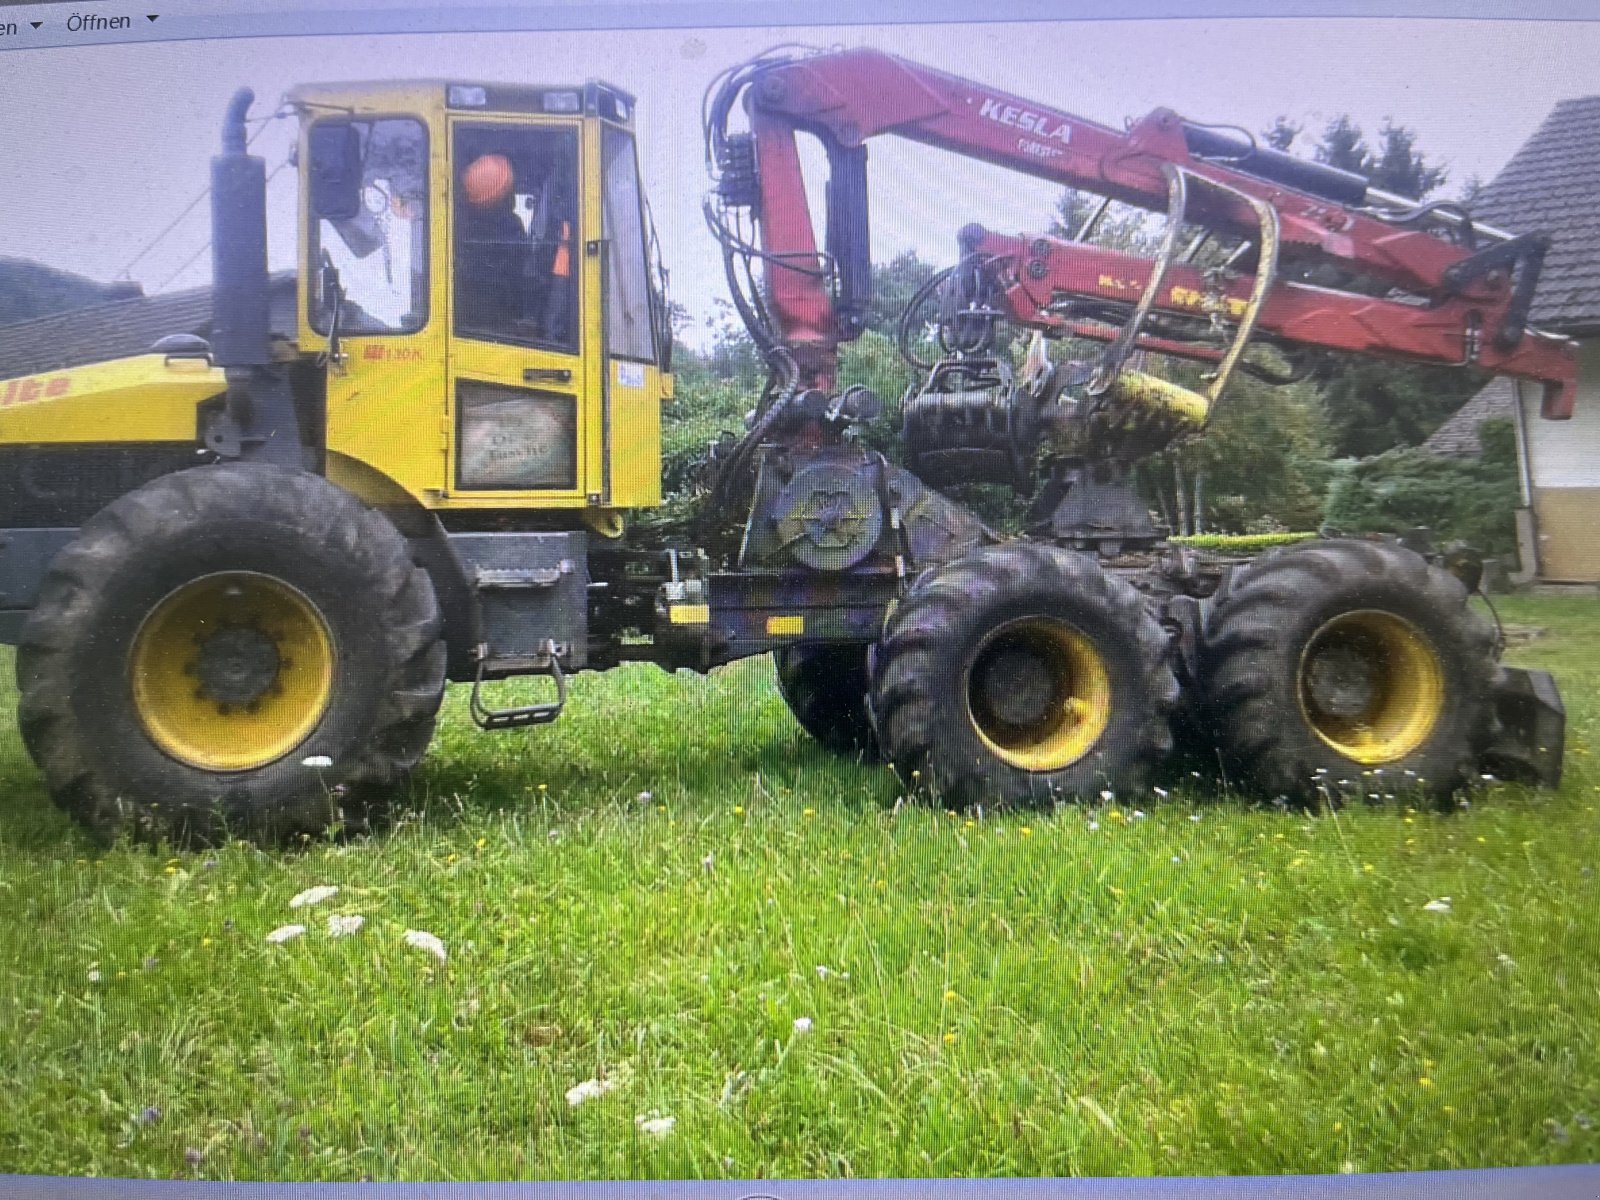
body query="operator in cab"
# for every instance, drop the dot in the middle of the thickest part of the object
(513, 251)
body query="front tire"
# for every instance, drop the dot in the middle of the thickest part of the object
(237, 649)
(1021, 674)
(1333, 664)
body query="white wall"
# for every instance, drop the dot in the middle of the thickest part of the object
(1566, 454)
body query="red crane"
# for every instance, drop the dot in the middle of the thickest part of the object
(1417, 282)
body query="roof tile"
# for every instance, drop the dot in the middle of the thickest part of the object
(121, 328)
(1552, 184)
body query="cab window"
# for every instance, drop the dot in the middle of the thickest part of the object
(516, 235)
(381, 253)
(629, 333)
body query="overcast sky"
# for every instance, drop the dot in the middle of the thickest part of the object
(102, 146)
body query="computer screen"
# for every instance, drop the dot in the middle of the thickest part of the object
(777, 596)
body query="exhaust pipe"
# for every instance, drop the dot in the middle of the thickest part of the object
(240, 323)
(258, 421)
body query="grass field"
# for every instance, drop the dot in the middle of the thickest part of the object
(1189, 984)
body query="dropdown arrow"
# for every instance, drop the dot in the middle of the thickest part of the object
(36, 24)
(151, 16)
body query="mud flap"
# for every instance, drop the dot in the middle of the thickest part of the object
(1532, 728)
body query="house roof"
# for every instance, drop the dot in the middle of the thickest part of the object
(123, 327)
(1550, 185)
(1458, 437)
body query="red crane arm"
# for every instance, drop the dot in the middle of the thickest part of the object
(1460, 315)
(1038, 271)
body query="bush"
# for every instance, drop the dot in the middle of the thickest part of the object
(701, 409)
(1469, 500)
(1241, 543)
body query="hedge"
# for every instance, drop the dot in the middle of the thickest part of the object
(1240, 543)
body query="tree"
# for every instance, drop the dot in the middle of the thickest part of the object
(1122, 227)
(1372, 406)
(1257, 468)
(1398, 167)
(1395, 166)
(1343, 146)
(1472, 500)
(1281, 134)
(1375, 406)
(894, 283)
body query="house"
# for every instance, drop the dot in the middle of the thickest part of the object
(1551, 185)
(119, 328)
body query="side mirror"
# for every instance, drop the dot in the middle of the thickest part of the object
(335, 170)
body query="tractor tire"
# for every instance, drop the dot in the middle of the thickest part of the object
(1338, 668)
(1020, 675)
(825, 688)
(233, 650)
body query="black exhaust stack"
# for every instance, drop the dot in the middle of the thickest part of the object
(258, 420)
(240, 326)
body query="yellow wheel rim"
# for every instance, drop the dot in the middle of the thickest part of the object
(1038, 694)
(231, 671)
(1371, 686)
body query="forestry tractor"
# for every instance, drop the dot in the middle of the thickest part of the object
(239, 569)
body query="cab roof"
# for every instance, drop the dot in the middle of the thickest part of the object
(591, 98)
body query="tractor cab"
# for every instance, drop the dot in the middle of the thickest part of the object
(478, 273)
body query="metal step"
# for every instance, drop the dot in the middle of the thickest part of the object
(490, 719)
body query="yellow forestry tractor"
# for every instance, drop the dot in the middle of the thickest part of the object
(240, 568)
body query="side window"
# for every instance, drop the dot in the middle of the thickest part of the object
(381, 253)
(628, 329)
(516, 235)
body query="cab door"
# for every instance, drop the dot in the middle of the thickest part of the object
(521, 385)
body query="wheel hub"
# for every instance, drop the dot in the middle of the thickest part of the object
(237, 665)
(1017, 688)
(1342, 682)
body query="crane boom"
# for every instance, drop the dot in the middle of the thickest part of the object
(1435, 287)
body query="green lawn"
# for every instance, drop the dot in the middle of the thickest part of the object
(1211, 987)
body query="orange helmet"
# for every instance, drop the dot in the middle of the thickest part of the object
(487, 180)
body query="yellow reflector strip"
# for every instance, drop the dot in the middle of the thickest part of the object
(792, 626)
(690, 614)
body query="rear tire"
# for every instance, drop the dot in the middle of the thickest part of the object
(1340, 667)
(1022, 674)
(825, 688)
(231, 650)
